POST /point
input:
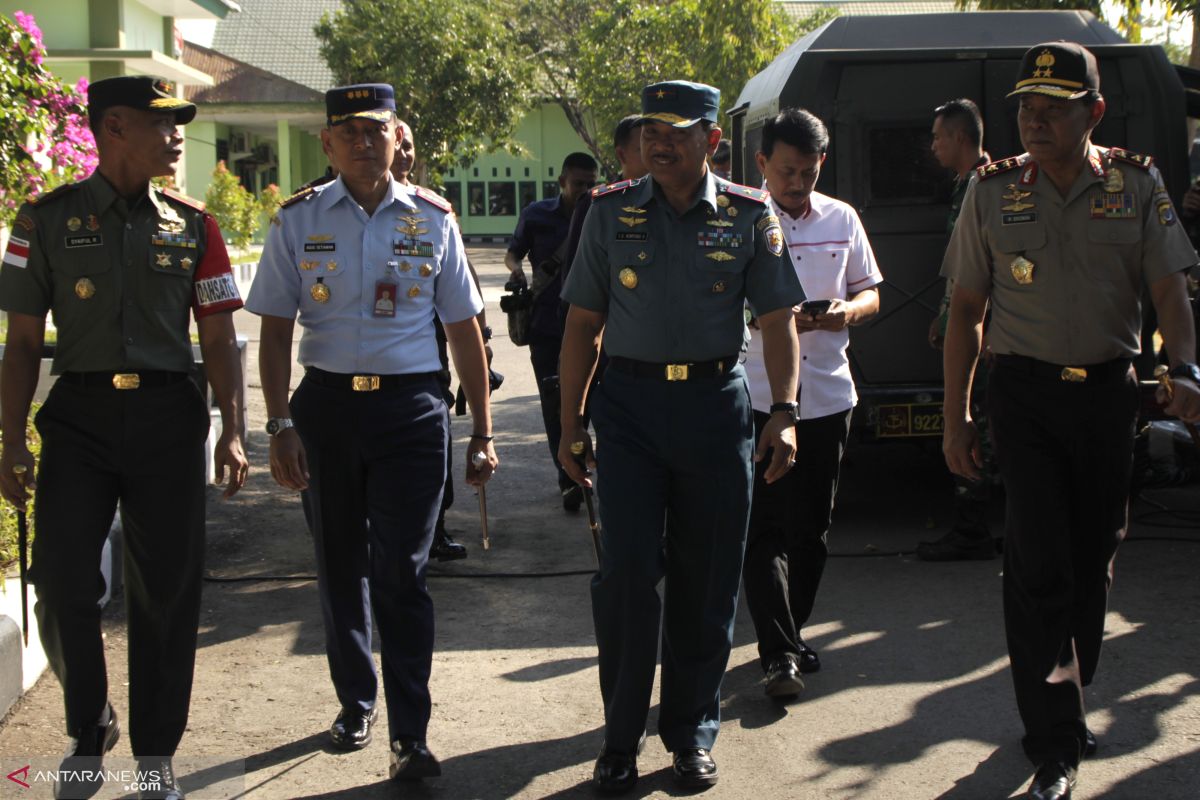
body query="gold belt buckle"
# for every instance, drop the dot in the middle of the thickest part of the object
(364, 383)
(126, 380)
(1074, 374)
(677, 372)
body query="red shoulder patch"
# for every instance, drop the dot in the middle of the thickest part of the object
(1130, 157)
(609, 188)
(748, 192)
(433, 198)
(997, 167)
(190, 202)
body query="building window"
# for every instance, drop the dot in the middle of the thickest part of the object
(900, 167)
(527, 193)
(502, 199)
(551, 169)
(476, 170)
(223, 150)
(451, 173)
(495, 172)
(508, 172)
(452, 191)
(476, 201)
(527, 172)
(549, 189)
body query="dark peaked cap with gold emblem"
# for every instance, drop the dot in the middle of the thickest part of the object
(680, 104)
(1065, 70)
(143, 92)
(376, 101)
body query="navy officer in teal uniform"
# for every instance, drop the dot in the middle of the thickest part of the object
(664, 268)
(364, 263)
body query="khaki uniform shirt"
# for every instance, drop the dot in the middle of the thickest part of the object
(673, 286)
(1065, 274)
(118, 278)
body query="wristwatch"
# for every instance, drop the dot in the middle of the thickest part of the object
(1186, 370)
(791, 408)
(277, 425)
(487, 333)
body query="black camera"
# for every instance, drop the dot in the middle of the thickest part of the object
(518, 298)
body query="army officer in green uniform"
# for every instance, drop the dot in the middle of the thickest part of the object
(663, 271)
(120, 264)
(1060, 242)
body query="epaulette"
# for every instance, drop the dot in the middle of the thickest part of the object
(433, 198)
(1137, 159)
(748, 192)
(61, 191)
(315, 182)
(190, 202)
(609, 188)
(996, 167)
(307, 191)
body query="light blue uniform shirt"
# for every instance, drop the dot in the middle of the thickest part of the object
(326, 237)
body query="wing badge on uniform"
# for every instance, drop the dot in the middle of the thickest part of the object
(721, 255)
(632, 222)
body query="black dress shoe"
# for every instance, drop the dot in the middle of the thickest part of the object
(808, 661)
(694, 768)
(352, 728)
(615, 773)
(1053, 781)
(411, 760)
(572, 498)
(1090, 745)
(80, 770)
(444, 548)
(158, 781)
(783, 678)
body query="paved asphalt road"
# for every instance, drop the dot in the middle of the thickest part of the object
(914, 701)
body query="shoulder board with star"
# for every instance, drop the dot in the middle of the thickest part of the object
(610, 188)
(303, 194)
(183, 199)
(1130, 157)
(997, 167)
(61, 191)
(433, 198)
(748, 192)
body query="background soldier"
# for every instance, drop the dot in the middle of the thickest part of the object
(368, 447)
(120, 263)
(542, 234)
(957, 144)
(1060, 240)
(664, 268)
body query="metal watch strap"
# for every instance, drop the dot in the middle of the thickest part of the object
(277, 425)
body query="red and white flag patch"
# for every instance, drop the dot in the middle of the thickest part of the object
(17, 253)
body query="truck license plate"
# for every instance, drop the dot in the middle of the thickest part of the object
(910, 419)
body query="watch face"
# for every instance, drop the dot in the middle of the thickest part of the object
(272, 427)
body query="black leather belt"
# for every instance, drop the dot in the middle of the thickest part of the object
(1107, 372)
(364, 383)
(144, 379)
(689, 371)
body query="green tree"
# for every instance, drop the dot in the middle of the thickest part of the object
(462, 80)
(235, 209)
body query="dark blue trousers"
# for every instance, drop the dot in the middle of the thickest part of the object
(674, 479)
(377, 464)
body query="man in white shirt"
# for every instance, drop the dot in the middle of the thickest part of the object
(789, 519)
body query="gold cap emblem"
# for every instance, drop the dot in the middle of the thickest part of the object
(1044, 61)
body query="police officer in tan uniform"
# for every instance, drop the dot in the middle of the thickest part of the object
(1060, 241)
(120, 264)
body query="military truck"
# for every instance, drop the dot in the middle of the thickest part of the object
(875, 81)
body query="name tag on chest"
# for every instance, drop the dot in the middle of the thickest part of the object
(320, 247)
(85, 240)
(706, 239)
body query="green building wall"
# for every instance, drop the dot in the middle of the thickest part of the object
(490, 193)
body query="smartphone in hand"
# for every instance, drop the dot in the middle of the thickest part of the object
(814, 307)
